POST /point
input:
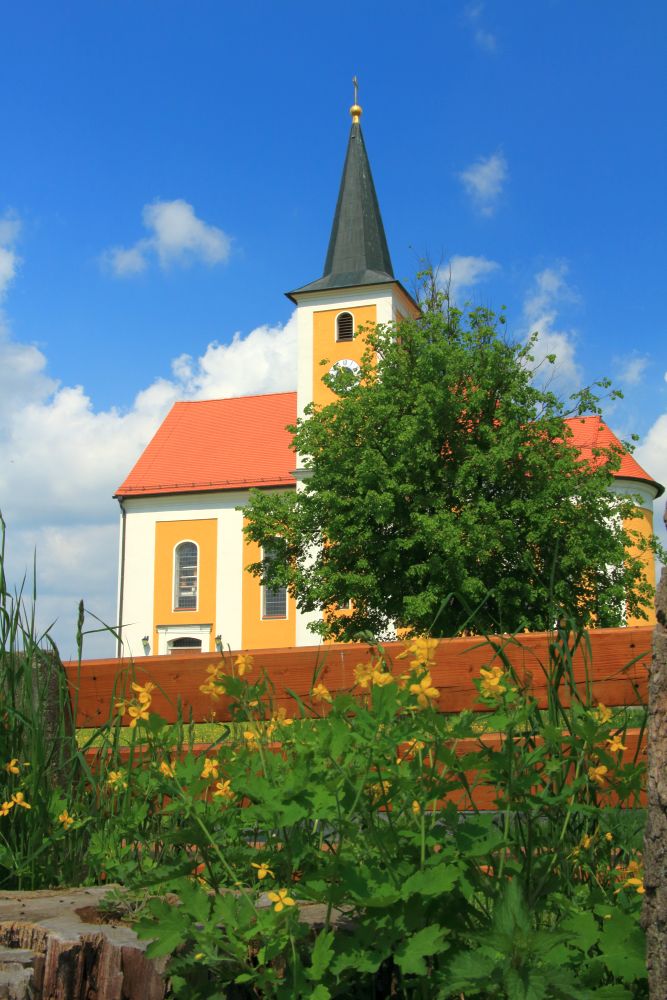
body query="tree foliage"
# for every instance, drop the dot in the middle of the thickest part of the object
(441, 482)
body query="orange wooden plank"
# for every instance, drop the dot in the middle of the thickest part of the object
(95, 684)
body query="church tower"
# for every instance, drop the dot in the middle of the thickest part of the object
(357, 288)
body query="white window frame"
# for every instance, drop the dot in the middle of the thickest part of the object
(175, 576)
(262, 596)
(167, 633)
(347, 312)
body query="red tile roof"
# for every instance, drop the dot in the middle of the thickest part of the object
(592, 432)
(225, 444)
(218, 444)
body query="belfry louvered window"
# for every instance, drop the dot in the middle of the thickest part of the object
(274, 599)
(185, 576)
(344, 327)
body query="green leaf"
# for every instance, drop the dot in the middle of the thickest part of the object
(321, 955)
(584, 929)
(411, 954)
(431, 881)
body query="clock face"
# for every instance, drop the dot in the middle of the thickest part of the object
(351, 366)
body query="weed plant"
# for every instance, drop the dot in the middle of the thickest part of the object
(354, 845)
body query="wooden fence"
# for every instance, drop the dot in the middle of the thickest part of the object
(614, 663)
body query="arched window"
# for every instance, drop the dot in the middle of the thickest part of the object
(344, 327)
(185, 576)
(184, 645)
(274, 600)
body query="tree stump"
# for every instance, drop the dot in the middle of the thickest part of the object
(53, 946)
(654, 917)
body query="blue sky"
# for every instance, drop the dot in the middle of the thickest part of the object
(168, 170)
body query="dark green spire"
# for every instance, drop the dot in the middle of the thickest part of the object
(358, 252)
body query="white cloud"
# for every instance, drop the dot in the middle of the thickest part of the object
(177, 236)
(483, 38)
(652, 456)
(63, 459)
(10, 227)
(484, 180)
(630, 370)
(540, 309)
(465, 272)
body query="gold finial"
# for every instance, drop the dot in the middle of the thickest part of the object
(355, 110)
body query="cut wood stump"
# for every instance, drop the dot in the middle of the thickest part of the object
(54, 946)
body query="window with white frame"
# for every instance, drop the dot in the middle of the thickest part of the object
(184, 644)
(185, 576)
(344, 327)
(274, 600)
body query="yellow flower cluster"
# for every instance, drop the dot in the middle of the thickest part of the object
(215, 685)
(320, 693)
(13, 767)
(116, 779)
(263, 870)
(138, 708)
(425, 691)
(598, 774)
(281, 899)
(277, 720)
(223, 789)
(65, 819)
(367, 674)
(491, 684)
(602, 714)
(210, 769)
(167, 769)
(634, 878)
(17, 799)
(615, 744)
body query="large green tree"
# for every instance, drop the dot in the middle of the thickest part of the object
(441, 483)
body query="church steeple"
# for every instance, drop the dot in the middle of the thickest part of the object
(358, 253)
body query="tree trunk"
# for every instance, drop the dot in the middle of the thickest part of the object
(53, 946)
(654, 917)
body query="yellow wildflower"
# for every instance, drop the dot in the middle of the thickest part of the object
(320, 693)
(602, 714)
(422, 650)
(13, 766)
(637, 884)
(586, 841)
(121, 706)
(199, 956)
(223, 789)
(65, 819)
(598, 773)
(168, 770)
(116, 779)
(491, 686)
(18, 798)
(615, 744)
(137, 712)
(263, 870)
(212, 687)
(210, 769)
(381, 678)
(144, 695)
(609, 837)
(243, 663)
(280, 899)
(363, 673)
(250, 740)
(379, 790)
(6, 808)
(425, 691)
(416, 808)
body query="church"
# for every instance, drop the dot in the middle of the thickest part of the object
(183, 584)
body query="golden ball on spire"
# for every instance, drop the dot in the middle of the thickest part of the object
(356, 112)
